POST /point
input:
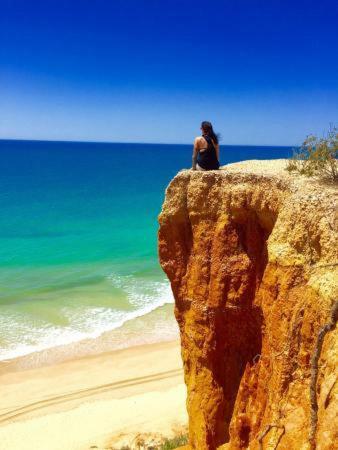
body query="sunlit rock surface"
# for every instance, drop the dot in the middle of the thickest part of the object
(251, 255)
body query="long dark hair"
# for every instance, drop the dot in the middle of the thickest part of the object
(208, 130)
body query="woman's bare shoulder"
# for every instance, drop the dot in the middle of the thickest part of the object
(199, 139)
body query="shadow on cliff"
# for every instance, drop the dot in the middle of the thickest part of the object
(238, 321)
(220, 323)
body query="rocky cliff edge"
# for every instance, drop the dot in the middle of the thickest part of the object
(251, 254)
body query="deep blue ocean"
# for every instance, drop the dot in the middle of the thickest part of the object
(78, 236)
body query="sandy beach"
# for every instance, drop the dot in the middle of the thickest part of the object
(99, 401)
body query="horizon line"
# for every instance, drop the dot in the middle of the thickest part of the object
(135, 143)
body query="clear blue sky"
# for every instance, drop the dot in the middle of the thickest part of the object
(264, 72)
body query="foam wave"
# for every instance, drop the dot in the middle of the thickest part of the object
(144, 296)
(141, 293)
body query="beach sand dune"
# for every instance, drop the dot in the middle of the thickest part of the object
(102, 401)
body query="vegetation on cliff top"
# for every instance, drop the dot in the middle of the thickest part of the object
(317, 156)
(167, 444)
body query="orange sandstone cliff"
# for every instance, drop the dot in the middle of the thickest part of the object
(251, 254)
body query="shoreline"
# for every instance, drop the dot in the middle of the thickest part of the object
(130, 392)
(156, 326)
(79, 314)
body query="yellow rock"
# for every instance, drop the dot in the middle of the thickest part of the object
(251, 254)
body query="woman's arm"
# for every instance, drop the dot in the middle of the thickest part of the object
(194, 154)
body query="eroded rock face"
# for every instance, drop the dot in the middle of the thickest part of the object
(251, 257)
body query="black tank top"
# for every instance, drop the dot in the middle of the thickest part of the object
(208, 158)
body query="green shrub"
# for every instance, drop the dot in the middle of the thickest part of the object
(170, 444)
(317, 156)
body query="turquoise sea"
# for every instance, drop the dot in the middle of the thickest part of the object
(78, 241)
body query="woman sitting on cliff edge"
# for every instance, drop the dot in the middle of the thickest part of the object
(206, 149)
